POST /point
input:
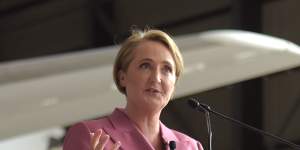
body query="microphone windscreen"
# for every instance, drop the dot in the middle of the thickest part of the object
(172, 145)
(193, 103)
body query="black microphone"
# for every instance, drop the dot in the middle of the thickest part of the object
(203, 108)
(172, 145)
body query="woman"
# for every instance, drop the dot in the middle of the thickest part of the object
(145, 71)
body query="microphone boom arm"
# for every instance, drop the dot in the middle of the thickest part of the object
(200, 107)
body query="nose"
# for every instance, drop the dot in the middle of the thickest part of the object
(156, 75)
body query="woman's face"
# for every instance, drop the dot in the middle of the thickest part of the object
(150, 77)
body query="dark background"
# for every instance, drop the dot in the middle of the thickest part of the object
(31, 28)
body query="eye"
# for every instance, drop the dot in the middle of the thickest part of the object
(145, 65)
(168, 69)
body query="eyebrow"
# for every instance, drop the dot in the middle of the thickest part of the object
(165, 61)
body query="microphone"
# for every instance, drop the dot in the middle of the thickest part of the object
(193, 103)
(205, 108)
(172, 145)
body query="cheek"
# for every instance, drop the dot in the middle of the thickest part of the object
(136, 81)
(170, 84)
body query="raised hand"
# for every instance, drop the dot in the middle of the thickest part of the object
(99, 139)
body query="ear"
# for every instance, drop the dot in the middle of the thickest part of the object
(122, 78)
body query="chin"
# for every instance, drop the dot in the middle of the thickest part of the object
(159, 102)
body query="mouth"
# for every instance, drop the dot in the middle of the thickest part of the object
(153, 90)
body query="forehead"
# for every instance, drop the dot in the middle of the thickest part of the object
(153, 50)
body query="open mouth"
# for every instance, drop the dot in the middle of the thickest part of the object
(152, 90)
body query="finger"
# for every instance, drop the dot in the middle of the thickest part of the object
(95, 139)
(116, 145)
(102, 142)
(91, 135)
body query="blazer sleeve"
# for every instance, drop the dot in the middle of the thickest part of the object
(77, 138)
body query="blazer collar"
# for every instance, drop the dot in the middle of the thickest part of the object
(121, 121)
(167, 134)
(126, 131)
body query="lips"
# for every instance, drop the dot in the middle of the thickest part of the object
(153, 90)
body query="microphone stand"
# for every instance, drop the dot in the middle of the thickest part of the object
(208, 124)
(203, 107)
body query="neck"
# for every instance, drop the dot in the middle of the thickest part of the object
(148, 124)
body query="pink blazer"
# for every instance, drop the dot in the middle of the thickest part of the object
(121, 128)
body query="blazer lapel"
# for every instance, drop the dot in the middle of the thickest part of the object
(168, 135)
(125, 131)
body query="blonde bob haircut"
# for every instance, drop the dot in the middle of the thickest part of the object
(125, 54)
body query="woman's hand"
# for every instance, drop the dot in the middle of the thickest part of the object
(99, 140)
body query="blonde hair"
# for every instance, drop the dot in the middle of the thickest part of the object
(125, 54)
